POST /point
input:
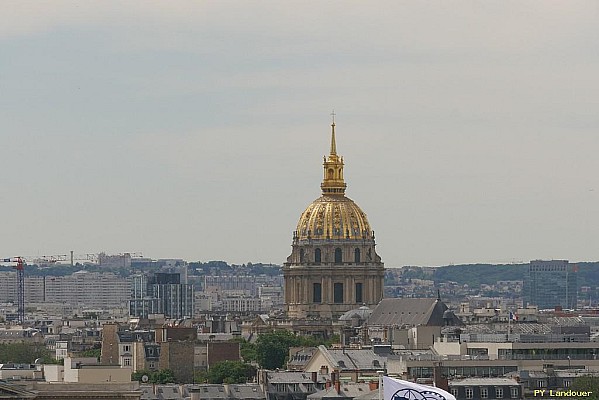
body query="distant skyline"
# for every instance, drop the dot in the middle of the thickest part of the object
(196, 130)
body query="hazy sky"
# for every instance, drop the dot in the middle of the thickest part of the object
(196, 130)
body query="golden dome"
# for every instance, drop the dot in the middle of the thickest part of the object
(333, 217)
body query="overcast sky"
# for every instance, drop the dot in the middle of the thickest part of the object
(196, 130)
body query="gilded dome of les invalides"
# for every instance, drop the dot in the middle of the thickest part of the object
(333, 216)
(333, 266)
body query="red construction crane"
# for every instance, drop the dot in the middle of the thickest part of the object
(20, 267)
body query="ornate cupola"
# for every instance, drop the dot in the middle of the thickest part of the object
(333, 266)
(333, 183)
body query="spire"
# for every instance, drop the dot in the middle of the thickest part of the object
(333, 144)
(333, 183)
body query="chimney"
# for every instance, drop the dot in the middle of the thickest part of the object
(335, 376)
(338, 387)
(373, 385)
(438, 379)
(315, 377)
(327, 384)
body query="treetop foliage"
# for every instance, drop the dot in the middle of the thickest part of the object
(230, 372)
(25, 353)
(272, 349)
(161, 377)
(587, 384)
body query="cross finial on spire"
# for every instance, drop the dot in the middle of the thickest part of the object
(333, 144)
(333, 183)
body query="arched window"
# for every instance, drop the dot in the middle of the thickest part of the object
(317, 256)
(338, 256)
(357, 256)
(302, 256)
(331, 172)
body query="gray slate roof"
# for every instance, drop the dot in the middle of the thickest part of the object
(408, 311)
(294, 377)
(300, 358)
(347, 390)
(247, 391)
(212, 391)
(354, 359)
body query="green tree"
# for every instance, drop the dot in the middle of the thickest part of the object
(200, 376)
(587, 384)
(92, 353)
(315, 341)
(273, 348)
(137, 376)
(24, 353)
(247, 350)
(162, 376)
(230, 372)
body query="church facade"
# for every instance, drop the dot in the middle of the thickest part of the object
(333, 266)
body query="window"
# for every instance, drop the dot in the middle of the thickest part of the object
(499, 393)
(541, 383)
(317, 256)
(338, 255)
(126, 362)
(338, 293)
(454, 392)
(484, 393)
(301, 255)
(357, 256)
(359, 293)
(514, 392)
(469, 393)
(317, 293)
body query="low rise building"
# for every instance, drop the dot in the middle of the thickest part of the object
(86, 370)
(11, 371)
(282, 385)
(351, 364)
(485, 388)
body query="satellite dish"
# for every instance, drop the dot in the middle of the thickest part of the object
(37, 361)
(145, 379)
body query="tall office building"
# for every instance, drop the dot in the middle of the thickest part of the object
(550, 284)
(333, 266)
(161, 293)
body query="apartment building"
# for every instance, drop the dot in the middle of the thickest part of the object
(88, 289)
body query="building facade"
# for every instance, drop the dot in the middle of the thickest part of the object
(551, 284)
(161, 293)
(333, 266)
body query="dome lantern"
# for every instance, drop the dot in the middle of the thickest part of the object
(333, 182)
